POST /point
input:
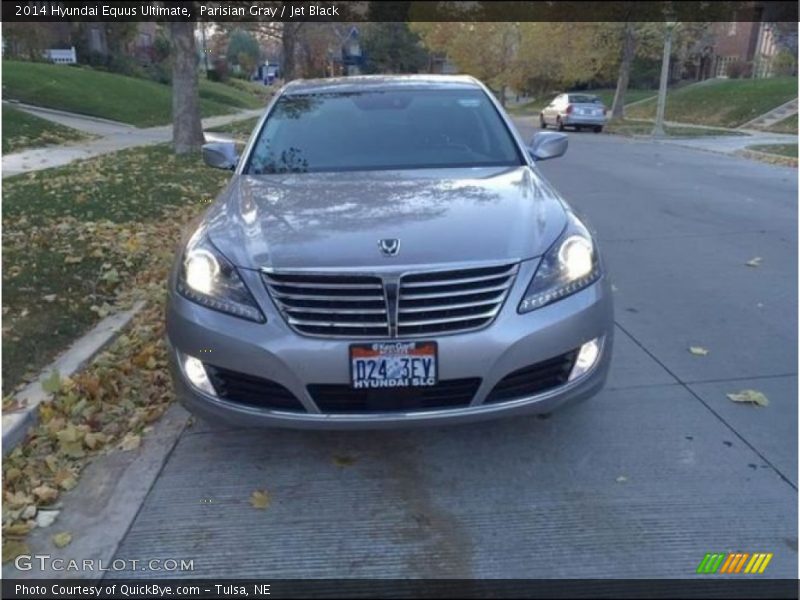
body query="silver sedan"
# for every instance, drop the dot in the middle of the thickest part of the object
(386, 253)
(574, 110)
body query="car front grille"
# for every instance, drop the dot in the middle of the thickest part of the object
(252, 391)
(533, 379)
(421, 303)
(452, 301)
(331, 305)
(453, 393)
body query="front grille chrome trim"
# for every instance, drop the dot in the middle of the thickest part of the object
(428, 302)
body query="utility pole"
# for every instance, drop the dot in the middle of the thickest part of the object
(658, 129)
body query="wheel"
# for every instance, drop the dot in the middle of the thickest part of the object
(559, 124)
(578, 128)
(542, 122)
(598, 128)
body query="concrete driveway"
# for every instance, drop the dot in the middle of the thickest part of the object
(640, 482)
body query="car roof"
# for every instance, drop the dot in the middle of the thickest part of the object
(381, 83)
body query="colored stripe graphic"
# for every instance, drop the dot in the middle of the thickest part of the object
(734, 562)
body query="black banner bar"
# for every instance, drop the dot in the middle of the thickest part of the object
(169, 589)
(343, 11)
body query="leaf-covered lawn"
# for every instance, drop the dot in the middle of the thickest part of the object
(22, 130)
(789, 150)
(140, 102)
(629, 128)
(787, 125)
(723, 103)
(75, 237)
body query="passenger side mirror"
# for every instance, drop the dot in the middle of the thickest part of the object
(548, 144)
(220, 155)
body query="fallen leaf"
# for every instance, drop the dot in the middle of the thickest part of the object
(13, 548)
(52, 384)
(62, 539)
(131, 441)
(754, 262)
(45, 518)
(341, 460)
(45, 493)
(17, 529)
(260, 499)
(698, 350)
(750, 396)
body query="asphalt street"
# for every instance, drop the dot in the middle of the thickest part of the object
(639, 482)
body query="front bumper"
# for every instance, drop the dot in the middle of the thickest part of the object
(275, 352)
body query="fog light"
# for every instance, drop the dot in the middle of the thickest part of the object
(196, 373)
(587, 357)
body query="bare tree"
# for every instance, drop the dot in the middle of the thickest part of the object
(628, 51)
(187, 129)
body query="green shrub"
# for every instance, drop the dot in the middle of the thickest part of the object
(784, 64)
(739, 69)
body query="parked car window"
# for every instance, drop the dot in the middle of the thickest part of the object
(398, 129)
(583, 99)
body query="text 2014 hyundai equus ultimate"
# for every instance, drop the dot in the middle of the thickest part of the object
(385, 254)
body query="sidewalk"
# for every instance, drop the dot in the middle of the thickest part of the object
(118, 136)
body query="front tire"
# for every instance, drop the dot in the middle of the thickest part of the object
(542, 122)
(598, 129)
(559, 124)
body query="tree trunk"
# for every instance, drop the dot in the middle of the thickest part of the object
(187, 130)
(628, 50)
(289, 39)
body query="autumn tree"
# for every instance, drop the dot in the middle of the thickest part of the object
(488, 51)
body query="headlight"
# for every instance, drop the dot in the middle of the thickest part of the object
(568, 266)
(208, 278)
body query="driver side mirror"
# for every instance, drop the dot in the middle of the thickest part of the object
(220, 155)
(548, 144)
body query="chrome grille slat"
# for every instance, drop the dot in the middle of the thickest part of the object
(419, 322)
(428, 302)
(416, 295)
(444, 307)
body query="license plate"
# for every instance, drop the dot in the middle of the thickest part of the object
(393, 365)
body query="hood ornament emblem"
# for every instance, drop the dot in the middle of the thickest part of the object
(389, 246)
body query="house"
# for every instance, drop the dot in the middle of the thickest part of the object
(753, 44)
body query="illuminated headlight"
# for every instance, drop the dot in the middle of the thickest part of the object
(196, 373)
(587, 357)
(570, 265)
(208, 278)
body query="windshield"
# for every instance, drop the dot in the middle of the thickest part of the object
(583, 99)
(396, 129)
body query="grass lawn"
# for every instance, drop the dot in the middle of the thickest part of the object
(723, 103)
(78, 236)
(607, 95)
(789, 150)
(630, 128)
(788, 125)
(22, 130)
(140, 102)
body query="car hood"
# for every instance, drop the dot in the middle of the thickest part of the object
(329, 220)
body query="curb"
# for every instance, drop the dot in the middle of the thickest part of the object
(81, 352)
(773, 159)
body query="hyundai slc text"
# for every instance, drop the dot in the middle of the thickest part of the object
(386, 253)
